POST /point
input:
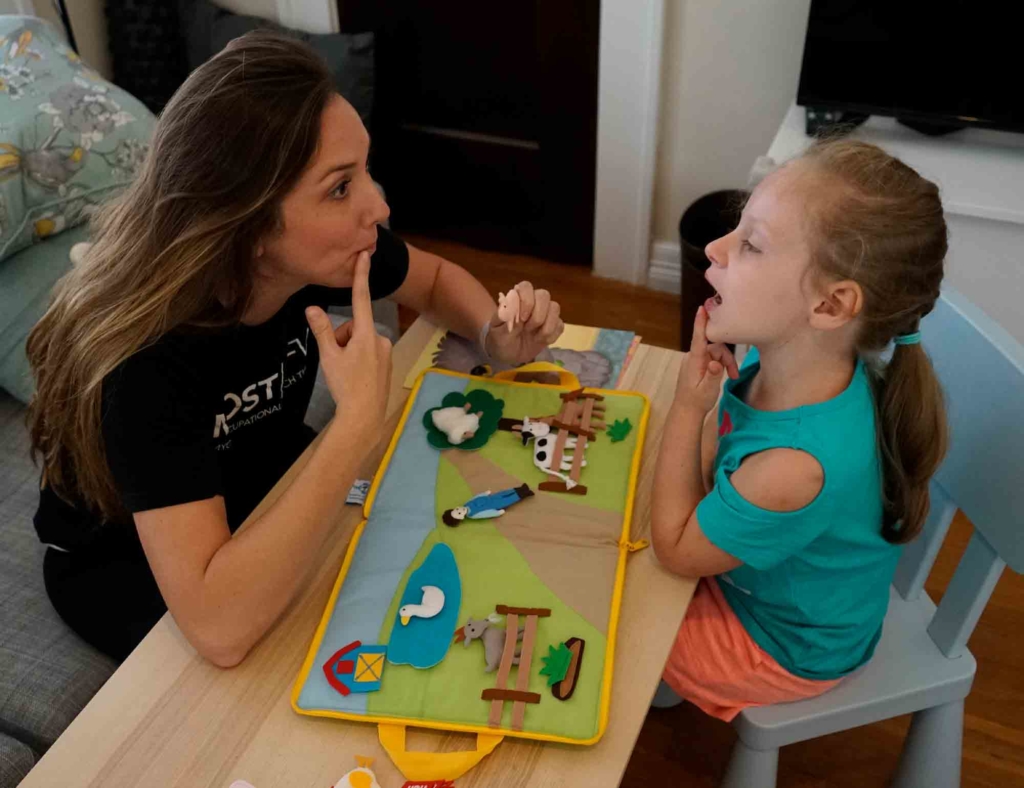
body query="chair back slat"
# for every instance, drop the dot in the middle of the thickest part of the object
(966, 596)
(981, 368)
(919, 556)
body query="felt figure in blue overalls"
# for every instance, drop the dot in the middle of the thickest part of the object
(486, 505)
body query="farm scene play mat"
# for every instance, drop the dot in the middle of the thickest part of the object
(482, 591)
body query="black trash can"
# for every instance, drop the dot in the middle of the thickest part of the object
(712, 216)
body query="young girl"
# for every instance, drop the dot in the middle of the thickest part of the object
(792, 498)
(176, 361)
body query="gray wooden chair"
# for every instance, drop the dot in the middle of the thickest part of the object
(922, 664)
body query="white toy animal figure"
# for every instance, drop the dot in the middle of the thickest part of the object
(508, 308)
(360, 777)
(544, 449)
(429, 606)
(458, 424)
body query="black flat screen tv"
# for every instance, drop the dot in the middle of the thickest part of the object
(946, 63)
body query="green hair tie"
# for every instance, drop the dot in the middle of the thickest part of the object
(908, 339)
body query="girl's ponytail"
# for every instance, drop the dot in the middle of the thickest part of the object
(912, 437)
(881, 225)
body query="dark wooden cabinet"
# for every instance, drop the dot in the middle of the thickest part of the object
(485, 120)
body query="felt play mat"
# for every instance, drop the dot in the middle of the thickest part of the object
(554, 563)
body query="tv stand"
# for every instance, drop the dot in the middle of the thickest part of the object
(981, 176)
(824, 122)
(931, 128)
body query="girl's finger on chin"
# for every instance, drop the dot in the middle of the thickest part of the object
(720, 352)
(698, 343)
(730, 364)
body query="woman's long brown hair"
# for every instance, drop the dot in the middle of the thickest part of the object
(879, 223)
(176, 248)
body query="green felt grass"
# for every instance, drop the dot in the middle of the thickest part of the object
(494, 572)
(606, 475)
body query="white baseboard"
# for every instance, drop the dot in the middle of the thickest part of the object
(665, 271)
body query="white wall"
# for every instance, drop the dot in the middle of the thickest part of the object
(629, 71)
(312, 16)
(729, 73)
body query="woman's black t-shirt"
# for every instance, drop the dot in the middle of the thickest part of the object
(205, 413)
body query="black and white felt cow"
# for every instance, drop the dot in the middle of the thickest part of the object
(544, 449)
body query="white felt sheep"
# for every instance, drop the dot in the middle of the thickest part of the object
(458, 424)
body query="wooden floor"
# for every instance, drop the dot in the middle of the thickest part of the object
(683, 747)
(585, 300)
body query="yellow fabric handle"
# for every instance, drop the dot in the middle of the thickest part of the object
(639, 544)
(433, 765)
(565, 377)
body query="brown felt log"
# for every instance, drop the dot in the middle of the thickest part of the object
(564, 689)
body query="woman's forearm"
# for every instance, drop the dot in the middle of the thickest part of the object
(678, 481)
(253, 577)
(460, 302)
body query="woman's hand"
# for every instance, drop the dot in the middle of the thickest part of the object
(355, 358)
(538, 326)
(700, 377)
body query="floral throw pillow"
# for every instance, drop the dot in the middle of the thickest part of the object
(68, 139)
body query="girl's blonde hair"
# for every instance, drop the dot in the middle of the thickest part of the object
(176, 248)
(880, 224)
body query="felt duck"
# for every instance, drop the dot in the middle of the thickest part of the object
(430, 606)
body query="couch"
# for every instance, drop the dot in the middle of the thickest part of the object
(47, 673)
(68, 141)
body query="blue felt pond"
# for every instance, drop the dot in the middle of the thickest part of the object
(424, 641)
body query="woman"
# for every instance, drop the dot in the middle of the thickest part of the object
(175, 363)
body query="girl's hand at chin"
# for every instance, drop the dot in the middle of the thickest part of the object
(700, 377)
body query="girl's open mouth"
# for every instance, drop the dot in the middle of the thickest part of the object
(713, 303)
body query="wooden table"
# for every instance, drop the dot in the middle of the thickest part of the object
(168, 718)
